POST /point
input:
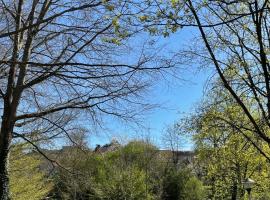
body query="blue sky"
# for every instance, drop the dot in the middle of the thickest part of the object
(177, 99)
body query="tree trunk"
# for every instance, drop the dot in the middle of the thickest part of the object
(4, 180)
(234, 191)
(5, 140)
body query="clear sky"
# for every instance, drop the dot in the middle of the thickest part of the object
(176, 99)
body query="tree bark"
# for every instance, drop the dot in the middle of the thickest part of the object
(4, 180)
(5, 141)
(234, 190)
(5, 138)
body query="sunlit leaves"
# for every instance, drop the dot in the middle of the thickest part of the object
(27, 181)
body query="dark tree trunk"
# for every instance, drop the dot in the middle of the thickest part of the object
(5, 140)
(235, 184)
(4, 180)
(234, 191)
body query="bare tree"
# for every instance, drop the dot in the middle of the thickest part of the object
(173, 140)
(62, 58)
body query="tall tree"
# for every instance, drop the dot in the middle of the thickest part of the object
(61, 57)
(234, 36)
(225, 156)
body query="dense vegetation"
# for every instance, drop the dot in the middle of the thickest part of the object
(135, 171)
(27, 180)
(224, 155)
(138, 170)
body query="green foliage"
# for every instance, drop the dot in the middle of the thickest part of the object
(26, 179)
(134, 171)
(138, 153)
(121, 184)
(225, 155)
(182, 185)
(194, 189)
(76, 180)
(114, 175)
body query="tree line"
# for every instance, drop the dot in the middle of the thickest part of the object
(133, 171)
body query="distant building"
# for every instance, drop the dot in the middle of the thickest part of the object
(114, 145)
